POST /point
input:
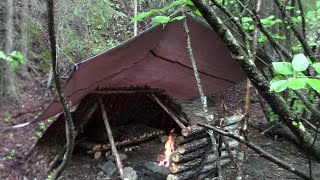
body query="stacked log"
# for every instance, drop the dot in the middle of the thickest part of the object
(129, 137)
(193, 155)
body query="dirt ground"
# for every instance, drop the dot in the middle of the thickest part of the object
(16, 143)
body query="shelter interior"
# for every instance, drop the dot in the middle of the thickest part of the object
(138, 118)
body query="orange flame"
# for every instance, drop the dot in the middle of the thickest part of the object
(169, 148)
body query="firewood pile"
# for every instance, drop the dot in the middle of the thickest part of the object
(193, 157)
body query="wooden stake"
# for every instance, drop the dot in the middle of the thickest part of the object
(111, 140)
(167, 111)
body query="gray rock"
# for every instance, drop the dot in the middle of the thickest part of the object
(122, 157)
(109, 168)
(130, 174)
(153, 166)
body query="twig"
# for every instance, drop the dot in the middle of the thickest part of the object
(260, 151)
(111, 140)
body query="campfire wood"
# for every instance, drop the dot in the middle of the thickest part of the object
(208, 169)
(193, 145)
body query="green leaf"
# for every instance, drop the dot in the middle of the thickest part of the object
(178, 18)
(246, 19)
(297, 83)
(316, 66)
(18, 56)
(161, 19)
(300, 62)
(283, 67)
(197, 12)
(278, 84)
(144, 15)
(176, 3)
(315, 84)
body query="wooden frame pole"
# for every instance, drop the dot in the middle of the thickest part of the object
(111, 139)
(180, 124)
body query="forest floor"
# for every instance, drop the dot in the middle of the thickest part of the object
(16, 143)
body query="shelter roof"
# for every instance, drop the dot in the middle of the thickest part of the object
(157, 58)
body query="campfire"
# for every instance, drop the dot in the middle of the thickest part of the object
(169, 148)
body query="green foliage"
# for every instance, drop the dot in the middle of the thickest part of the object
(284, 68)
(15, 58)
(297, 79)
(41, 129)
(11, 155)
(50, 120)
(164, 19)
(271, 116)
(6, 117)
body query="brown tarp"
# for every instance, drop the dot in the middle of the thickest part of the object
(157, 58)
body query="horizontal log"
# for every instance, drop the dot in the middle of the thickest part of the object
(179, 167)
(193, 145)
(189, 174)
(91, 149)
(176, 157)
(182, 140)
(192, 130)
(233, 120)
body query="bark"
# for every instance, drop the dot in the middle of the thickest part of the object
(275, 101)
(9, 83)
(70, 134)
(25, 40)
(193, 145)
(192, 130)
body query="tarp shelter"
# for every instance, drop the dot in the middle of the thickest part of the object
(157, 58)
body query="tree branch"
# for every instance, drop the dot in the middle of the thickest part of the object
(67, 114)
(260, 151)
(300, 37)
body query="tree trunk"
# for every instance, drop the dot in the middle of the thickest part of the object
(9, 82)
(23, 70)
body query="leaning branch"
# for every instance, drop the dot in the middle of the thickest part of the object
(260, 151)
(70, 135)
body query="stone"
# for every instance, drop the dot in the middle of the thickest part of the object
(109, 168)
(97, 155)
(130, 174)
(122, 157)
(154, 166)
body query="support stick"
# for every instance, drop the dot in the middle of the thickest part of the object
(111, 140)
(167, 111)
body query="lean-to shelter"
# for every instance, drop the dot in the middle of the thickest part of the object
(157, 58)
(140, 83)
